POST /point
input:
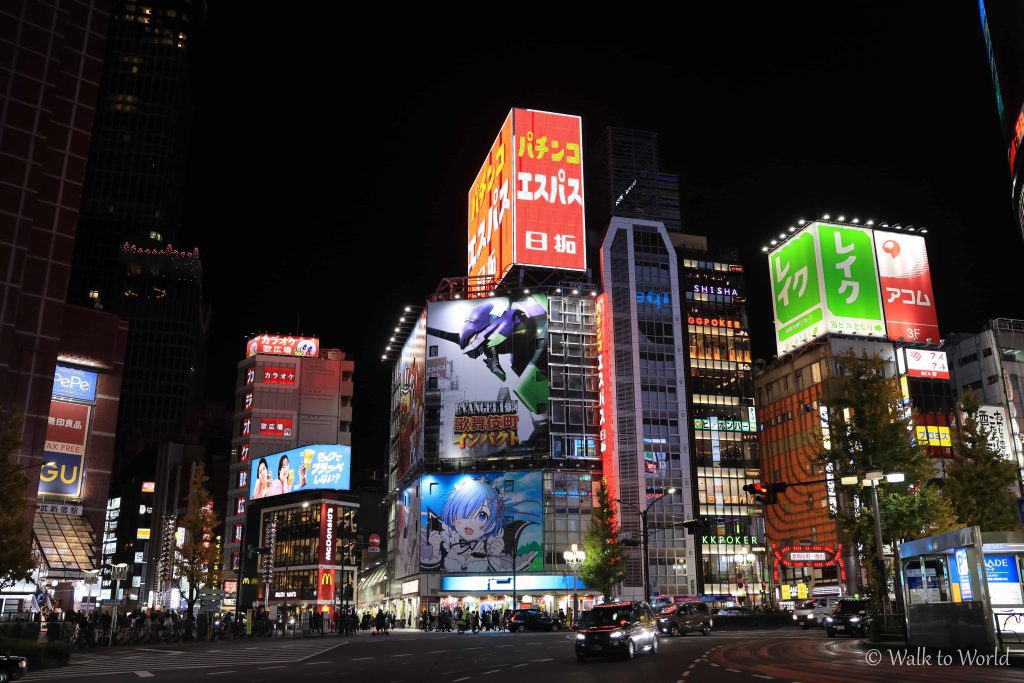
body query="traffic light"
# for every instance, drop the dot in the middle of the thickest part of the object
(693, 526)
(766, 494)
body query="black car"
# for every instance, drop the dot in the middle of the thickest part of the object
(684, 617)
(12, 667)
(533, 620)
(849, 616)
(621, 628)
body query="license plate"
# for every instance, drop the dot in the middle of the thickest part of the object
(840, 628)
(597, 647)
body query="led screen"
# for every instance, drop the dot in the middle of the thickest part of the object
(317, 467)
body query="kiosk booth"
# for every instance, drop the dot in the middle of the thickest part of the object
(962, 589)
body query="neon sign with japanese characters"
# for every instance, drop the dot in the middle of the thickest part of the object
(282, 345)
(526, 203)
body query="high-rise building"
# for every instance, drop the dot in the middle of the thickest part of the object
(60, 367)
(289, 394)
(720, 392)
(648, 443)
(135, 177)
(628, 181)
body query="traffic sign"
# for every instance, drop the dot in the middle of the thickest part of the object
(110, 603)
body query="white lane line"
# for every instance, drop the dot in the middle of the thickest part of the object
(435, 652)
(472, 648)
(542, 660)
(692, 665)
(264, 668)
(490, 672)
(713, 664)
(314, 663)
(735, 671)
(407, 654)
(360, 659)
(143, 674)
(511, 646)
(516, 666)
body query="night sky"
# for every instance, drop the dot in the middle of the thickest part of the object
(332, 154)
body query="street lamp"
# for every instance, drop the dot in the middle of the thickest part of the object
(118, 572)
(574, 558)
(644, 546)
(871, 479)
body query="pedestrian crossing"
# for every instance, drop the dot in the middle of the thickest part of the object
(131, 660)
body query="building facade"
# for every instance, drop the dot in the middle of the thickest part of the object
(289, 393)
(649, 444)
(720, 395)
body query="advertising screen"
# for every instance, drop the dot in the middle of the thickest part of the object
(481, 521)
(490, 208)
(408, 529)
(73, 383)
(277, 345)
(796, 295)
(850, 278)
(1003, 578)
(906, 288)
(525, 205)
(412, 380)
(67, 428)
(274, 426)
(317, 467)
(605, 389)
(63, 477)
(548, 212)
(495, 399)
(993, 419)
(926, 364)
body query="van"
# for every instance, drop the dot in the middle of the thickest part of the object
(812, 612)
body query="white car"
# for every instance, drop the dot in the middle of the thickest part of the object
(813, 612)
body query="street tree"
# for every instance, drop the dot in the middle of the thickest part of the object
(197, 559)
(870, 429)
(605, 565)
(16, 561)
(978, 480)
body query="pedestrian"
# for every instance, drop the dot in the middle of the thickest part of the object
(380, 623)
(561, 617)
(475, 622)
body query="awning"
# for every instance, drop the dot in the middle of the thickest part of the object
(373, 577)
(66, 544)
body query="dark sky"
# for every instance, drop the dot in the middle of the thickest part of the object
(332, 153)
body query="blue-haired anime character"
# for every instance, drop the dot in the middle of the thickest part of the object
(470, 533)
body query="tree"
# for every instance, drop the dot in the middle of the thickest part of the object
(979, 478)
(870, 428)
(604, 567)
(16, 561)
(196, 560)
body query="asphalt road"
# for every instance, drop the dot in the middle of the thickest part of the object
(409, 656)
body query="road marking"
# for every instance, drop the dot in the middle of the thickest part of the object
(516, 666)
(511, 646)
(435, 652)
(264, 668)
(542, 660)
(407, 654)
(735, 671)
(143, 674)
(491, 672)
(692, 665)
(713, 664)
(218, 673)
(472, 648)
(360, 659)
(314, 663)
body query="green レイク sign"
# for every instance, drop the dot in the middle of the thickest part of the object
(850, 276)
(796, 293)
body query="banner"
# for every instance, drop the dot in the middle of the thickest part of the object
(408, 530)
(411, 385)
(906, 283)
(307, 468)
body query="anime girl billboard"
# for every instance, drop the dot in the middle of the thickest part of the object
(411, 382)
(480, 522)
(408, 528)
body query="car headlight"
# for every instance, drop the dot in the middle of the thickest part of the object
(23, 664)
(794, 617)
(811, 617)
(854, 620)
(615, 634)
(828, 620)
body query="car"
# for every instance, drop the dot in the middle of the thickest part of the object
(734, 612)
(621, 629)
(813, 612)
(532, 619)
(12, 667)
(684, 617)
(849, 616)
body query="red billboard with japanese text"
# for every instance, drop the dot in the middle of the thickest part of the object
(906, 283)
(67, 427)
(282, 345)
(548, 212)
(275, 426)
(525, 206)
(606, 397)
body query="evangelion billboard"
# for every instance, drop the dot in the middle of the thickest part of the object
(525, 205)
(411, 381)
(481, 521)
(307, 468)
(495, 397)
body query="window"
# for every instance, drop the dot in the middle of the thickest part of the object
(986, 352)
(992, 379)
(432, 352)
(432, 383)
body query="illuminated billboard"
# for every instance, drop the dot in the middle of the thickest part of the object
(316, 467)
(495, 394)
(74, 383)
(412, 380)
(906, 288)
(67, 428)
(606, 396)
(525, 205)
(407, 526)
(848, 280)
(275, 426)
(61, 474)
(481, 521)
(277, 345)
(924, 363)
